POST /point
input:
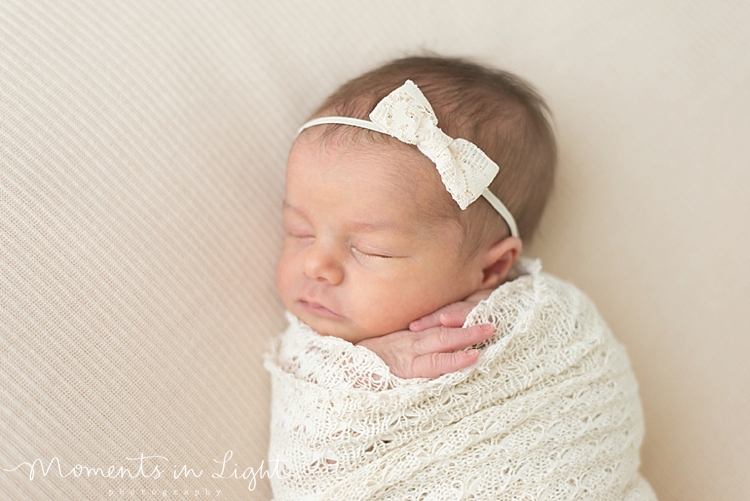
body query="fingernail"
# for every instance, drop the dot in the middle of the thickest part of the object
(487, 328)
(471, 353)
(415, 323)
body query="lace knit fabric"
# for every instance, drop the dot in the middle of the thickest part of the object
(549, 412)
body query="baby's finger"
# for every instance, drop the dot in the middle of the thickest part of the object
(455, 318)
(433, 319)
(447, 339)
(426, 322)
(437, 364)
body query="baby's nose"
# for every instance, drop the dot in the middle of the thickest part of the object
(324, 262)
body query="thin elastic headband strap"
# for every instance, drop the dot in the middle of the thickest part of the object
(356, 122)
(502, 210)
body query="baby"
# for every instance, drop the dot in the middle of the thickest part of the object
(407, 196)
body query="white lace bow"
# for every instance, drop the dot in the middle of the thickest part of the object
(405, 113)
(465, 169)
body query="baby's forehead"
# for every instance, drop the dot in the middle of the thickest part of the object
(399, 170)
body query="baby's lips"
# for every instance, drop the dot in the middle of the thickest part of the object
(318, 309)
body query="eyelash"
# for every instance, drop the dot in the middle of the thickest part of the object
(365, 254)
(298, 234)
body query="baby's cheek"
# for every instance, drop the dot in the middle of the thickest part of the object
(391, 316)
(284, 278)
(421, 300)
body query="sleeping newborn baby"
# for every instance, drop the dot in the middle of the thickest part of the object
(390, 217)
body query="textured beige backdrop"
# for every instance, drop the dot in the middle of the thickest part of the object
(142, 147)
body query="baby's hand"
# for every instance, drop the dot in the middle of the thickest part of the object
(434, 344)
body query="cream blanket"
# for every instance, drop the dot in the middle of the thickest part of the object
(549, 412)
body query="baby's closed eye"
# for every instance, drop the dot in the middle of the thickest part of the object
(371, 254)
(298, 229)
(300, 233)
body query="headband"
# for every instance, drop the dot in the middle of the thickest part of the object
(466, 171)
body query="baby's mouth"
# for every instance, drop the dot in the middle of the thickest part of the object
(319, 310)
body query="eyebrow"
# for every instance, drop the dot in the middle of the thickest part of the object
(375, 226)
(362, 226)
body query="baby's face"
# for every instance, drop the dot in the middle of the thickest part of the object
(362, 257)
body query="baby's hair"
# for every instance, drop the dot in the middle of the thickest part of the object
(497, 111)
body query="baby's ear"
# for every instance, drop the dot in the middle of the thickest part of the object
(498, 260)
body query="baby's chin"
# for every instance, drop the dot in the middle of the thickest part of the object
(342, 331)
(345, 329)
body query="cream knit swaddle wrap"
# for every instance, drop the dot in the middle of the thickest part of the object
(549, 412)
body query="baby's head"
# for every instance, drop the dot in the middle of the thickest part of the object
(374, 240)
